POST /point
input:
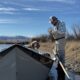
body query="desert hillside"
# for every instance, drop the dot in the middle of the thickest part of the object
(72, 55)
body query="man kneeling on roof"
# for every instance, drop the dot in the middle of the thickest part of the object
(34, 45)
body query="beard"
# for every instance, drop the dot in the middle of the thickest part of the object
(54, 23)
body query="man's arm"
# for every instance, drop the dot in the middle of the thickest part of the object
(60, 32)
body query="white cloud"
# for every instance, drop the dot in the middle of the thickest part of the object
(31, 35)
(6, 21)
(31, 9)
(63, 1)
(15, 3)
(7, 10)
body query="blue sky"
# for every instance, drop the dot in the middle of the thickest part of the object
(31, 17)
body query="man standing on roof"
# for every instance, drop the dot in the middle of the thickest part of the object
(59, 36)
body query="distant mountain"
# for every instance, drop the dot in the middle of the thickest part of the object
(16, 38)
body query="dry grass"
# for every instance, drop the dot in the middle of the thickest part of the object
(72, 53)
(46, 47)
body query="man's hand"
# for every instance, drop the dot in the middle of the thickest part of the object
(50, 31)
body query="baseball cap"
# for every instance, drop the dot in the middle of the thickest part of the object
(53, 18)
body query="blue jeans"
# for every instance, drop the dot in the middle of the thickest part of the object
(61, 55)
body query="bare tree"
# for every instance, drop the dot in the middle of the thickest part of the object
(76, 31)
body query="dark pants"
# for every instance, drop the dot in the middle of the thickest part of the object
(48, 78)
(61, 74)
